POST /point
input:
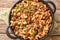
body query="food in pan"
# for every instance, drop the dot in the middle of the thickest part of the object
(30, 19)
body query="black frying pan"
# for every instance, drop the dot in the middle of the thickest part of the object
(52, 11)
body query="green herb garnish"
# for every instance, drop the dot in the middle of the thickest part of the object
(16, 8)
(13, 18)
(35, 32)
(25, 30)
(18, 27)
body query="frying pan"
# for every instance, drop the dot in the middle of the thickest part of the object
(52, 11)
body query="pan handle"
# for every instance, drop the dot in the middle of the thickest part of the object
(54, 6)
(9, 35)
